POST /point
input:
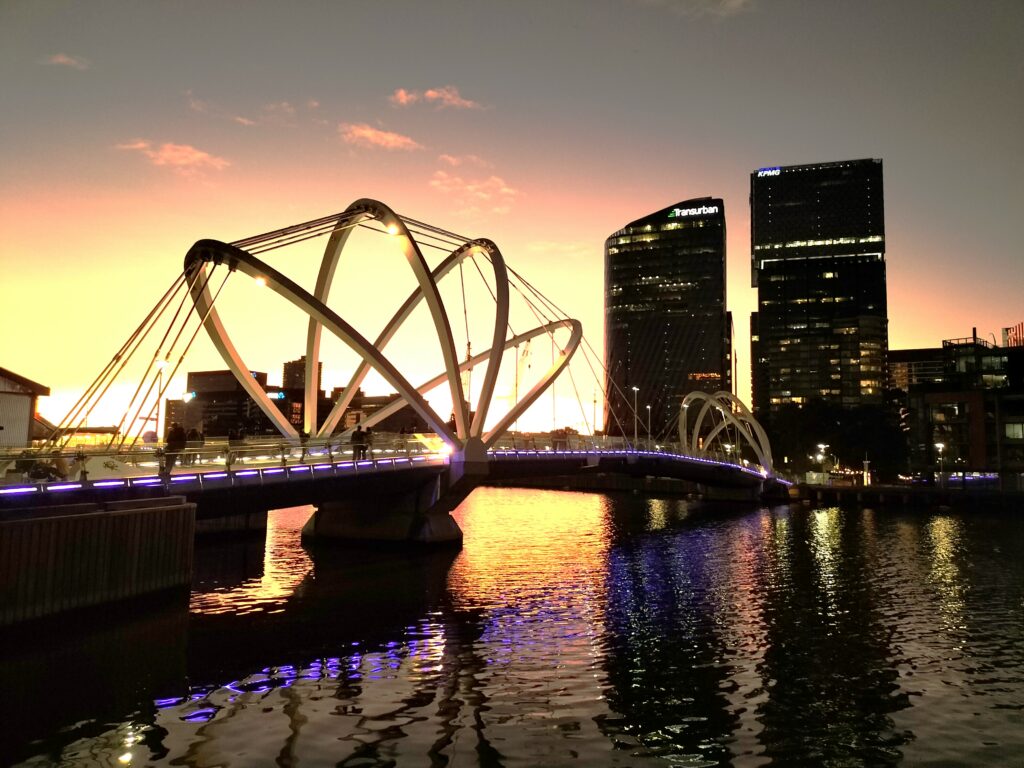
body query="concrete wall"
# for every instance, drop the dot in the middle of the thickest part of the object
(53, 561)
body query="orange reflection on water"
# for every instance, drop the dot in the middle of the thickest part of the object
(285, 565)
(514, 551)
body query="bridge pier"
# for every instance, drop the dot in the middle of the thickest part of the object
(745, 494)
(420, 515)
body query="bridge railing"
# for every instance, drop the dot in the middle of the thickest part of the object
(544, 443)
(98, 463)
(41, 465)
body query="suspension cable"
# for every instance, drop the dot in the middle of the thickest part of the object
(152, 363)
(181, 359)
(123, 355)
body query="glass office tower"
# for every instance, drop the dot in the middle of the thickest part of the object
(666, 329)
(818, 263)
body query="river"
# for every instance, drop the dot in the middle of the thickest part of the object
(571, 629)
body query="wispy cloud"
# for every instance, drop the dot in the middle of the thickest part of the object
(491, 194)
(457, 160)
(363, 135)
(445, 96)
(183, 159)
(66, 60)
(279, 109)
(719, 8)
(196, 105)
(272, 113)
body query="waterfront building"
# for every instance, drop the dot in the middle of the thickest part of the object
(818, 262)
(967, 414)
(909, 367)
(1014, 336)
(217, 405)
(18, 397)
(667, 332)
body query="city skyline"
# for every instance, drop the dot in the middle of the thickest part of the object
(133, 132)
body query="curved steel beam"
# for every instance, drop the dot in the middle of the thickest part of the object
(545, 381)
(237, 259)
(466, 365)
(472, 248)
(328, 265)
(222, 343)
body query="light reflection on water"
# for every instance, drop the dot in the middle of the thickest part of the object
(280, 567)
(572, 628)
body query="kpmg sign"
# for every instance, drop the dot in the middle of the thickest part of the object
(762, 172)
(704, 209)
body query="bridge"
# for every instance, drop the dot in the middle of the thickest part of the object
(406, 488)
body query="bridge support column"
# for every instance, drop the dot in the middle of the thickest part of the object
(732, 494)
(408, 515)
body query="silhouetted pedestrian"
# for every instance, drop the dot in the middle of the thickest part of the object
(358, 443)
(174, 445)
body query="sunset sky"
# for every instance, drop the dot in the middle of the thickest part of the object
(131, 130)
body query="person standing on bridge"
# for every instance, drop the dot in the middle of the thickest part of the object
(368, 444)
(175, 444)
(358, 443)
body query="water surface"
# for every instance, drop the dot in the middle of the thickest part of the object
(571, 629)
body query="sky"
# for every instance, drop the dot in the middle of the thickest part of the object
(131, 130)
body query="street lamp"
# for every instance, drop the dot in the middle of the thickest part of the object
(648, 426)
(635, 390)
(940, 447)
(822, 447)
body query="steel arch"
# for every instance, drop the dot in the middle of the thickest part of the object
(735, 412)
(371, 355)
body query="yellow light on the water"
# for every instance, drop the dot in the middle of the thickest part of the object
(125, 758)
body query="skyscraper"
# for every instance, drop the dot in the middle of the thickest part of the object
(818, 263)
(666, 329)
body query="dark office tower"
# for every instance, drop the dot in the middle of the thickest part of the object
(666, 329)
(294, 374)
(818, 263)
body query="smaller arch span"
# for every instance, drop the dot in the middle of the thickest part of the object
(735, 413)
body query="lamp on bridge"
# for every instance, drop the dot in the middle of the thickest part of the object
(635, 390)
(940, 447)
(648, 425)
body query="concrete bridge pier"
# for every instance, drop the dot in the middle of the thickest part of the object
(404, 514)
(751, 493)
(419, 514)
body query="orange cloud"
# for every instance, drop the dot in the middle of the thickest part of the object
(475, 195)
(449, 96)
(64, 60)
(182, 158)
(403, 98)
(363, 135)
(446, 96)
